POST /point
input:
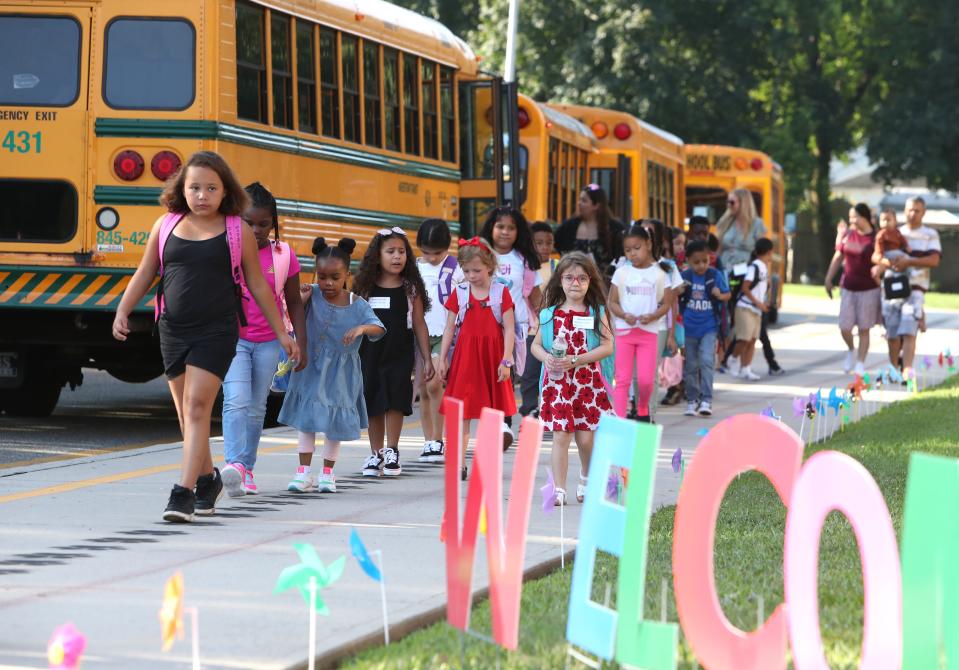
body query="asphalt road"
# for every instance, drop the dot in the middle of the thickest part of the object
(101, 415)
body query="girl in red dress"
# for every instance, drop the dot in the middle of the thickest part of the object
(574, 311)
(479, 373)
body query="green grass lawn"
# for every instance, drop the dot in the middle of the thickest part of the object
(933, 300)
(748, 557)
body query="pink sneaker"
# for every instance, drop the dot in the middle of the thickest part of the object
(233, 476)
(249, 484)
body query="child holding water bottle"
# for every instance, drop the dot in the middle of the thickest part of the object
(575, 343)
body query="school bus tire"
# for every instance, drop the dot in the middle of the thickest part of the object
(37, 397)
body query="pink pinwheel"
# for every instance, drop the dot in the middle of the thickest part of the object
(549, 492)
(66, 647)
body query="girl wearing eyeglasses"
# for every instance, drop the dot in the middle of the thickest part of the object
(575, 311)
(390, 281)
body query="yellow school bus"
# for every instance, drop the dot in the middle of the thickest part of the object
(639, 165)
(555, 151)
(713, 171)
(355, 115)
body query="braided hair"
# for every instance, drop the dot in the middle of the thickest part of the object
(261, 197)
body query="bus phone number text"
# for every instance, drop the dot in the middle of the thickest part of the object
(135, 238)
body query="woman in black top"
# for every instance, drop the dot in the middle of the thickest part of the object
(594, 231)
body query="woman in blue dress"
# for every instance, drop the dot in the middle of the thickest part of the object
(327, 396)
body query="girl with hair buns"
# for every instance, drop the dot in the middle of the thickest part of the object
(327, 396)
(247, 382)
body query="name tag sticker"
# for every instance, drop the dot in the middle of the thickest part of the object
(740, 269)
(897, 286)
(584, 322)
(380, 302)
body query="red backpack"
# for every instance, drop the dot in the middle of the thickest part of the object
(234, 237)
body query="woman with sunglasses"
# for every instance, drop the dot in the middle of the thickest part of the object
(593, 231)
(389, 280)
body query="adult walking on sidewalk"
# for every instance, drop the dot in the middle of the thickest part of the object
(902, 317)
(859, 305)
(593, 231)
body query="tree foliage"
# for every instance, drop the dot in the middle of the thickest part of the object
(804, 81)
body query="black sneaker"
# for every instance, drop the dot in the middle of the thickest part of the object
(180, 508)
(374, 465)
(464, 473)
(391, 462)
(209, 488)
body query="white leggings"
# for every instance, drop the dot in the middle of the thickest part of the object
(306, 444)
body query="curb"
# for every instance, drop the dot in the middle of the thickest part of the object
(332, 659)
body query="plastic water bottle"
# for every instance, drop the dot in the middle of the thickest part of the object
(558, 352)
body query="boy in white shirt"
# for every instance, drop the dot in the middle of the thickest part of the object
(752, 304)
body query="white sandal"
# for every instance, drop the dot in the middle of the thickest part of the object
(581, 489)
(560, 498)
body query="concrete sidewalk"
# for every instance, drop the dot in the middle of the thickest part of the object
(82, 540)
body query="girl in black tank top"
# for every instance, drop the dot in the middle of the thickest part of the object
(198, 327)
(389, 280)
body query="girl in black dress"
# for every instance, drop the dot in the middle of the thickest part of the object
(389, 280)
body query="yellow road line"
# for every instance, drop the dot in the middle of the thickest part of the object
(17, 285)
(41, 288)
(119, 477)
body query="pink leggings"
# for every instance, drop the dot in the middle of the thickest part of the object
(635, 347)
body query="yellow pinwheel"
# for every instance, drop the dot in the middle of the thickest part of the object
(171, 612)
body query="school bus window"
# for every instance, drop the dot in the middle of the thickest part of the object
(306, 76)
(670, 197)
(430, 128)
(476, 133)
(250, 64)
(391, 91)
(41, 60)
(282, 70)
(553, 184)
(149, 64)
(564, 181)
(605, 178)
(329, 84)
(37, 211)
(411, 105)
(448, 114)
(371, 94)
(351, 88)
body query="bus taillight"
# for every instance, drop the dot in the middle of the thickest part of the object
(164, 165)
(622, 131)
(128, 165)
(600, 129)
(756, 164)
(522, 118)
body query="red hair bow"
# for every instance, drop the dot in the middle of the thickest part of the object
(472, 242)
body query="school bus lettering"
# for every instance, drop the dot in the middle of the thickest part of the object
(45, 116)
(14, 115)
(409, 187)
(22, 142)
(115, 237)
(709, 162)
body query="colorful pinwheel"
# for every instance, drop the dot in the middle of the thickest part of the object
(310, 565)
(171, 611)
(65, 647)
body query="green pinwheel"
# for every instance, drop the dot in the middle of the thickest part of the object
(310, 566)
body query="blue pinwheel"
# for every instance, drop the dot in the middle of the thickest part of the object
(362, 556)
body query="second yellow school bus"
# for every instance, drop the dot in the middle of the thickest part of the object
(639, 165)
(712, 171)
(357, 116)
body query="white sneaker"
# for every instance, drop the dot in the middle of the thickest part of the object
(690, 408)
(850, 359)
(749, 375)
(432, 452)
(303, 481)
(560, 497)
(581, 489)
(860, 369)
(705, 408)
(233, 476)
(327, 482)
(734, 366)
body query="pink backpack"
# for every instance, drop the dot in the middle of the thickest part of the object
(234, 237)
(495, 300)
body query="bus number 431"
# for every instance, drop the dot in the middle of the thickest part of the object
(22, 142)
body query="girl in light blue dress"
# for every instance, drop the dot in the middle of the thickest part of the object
(327, 396)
